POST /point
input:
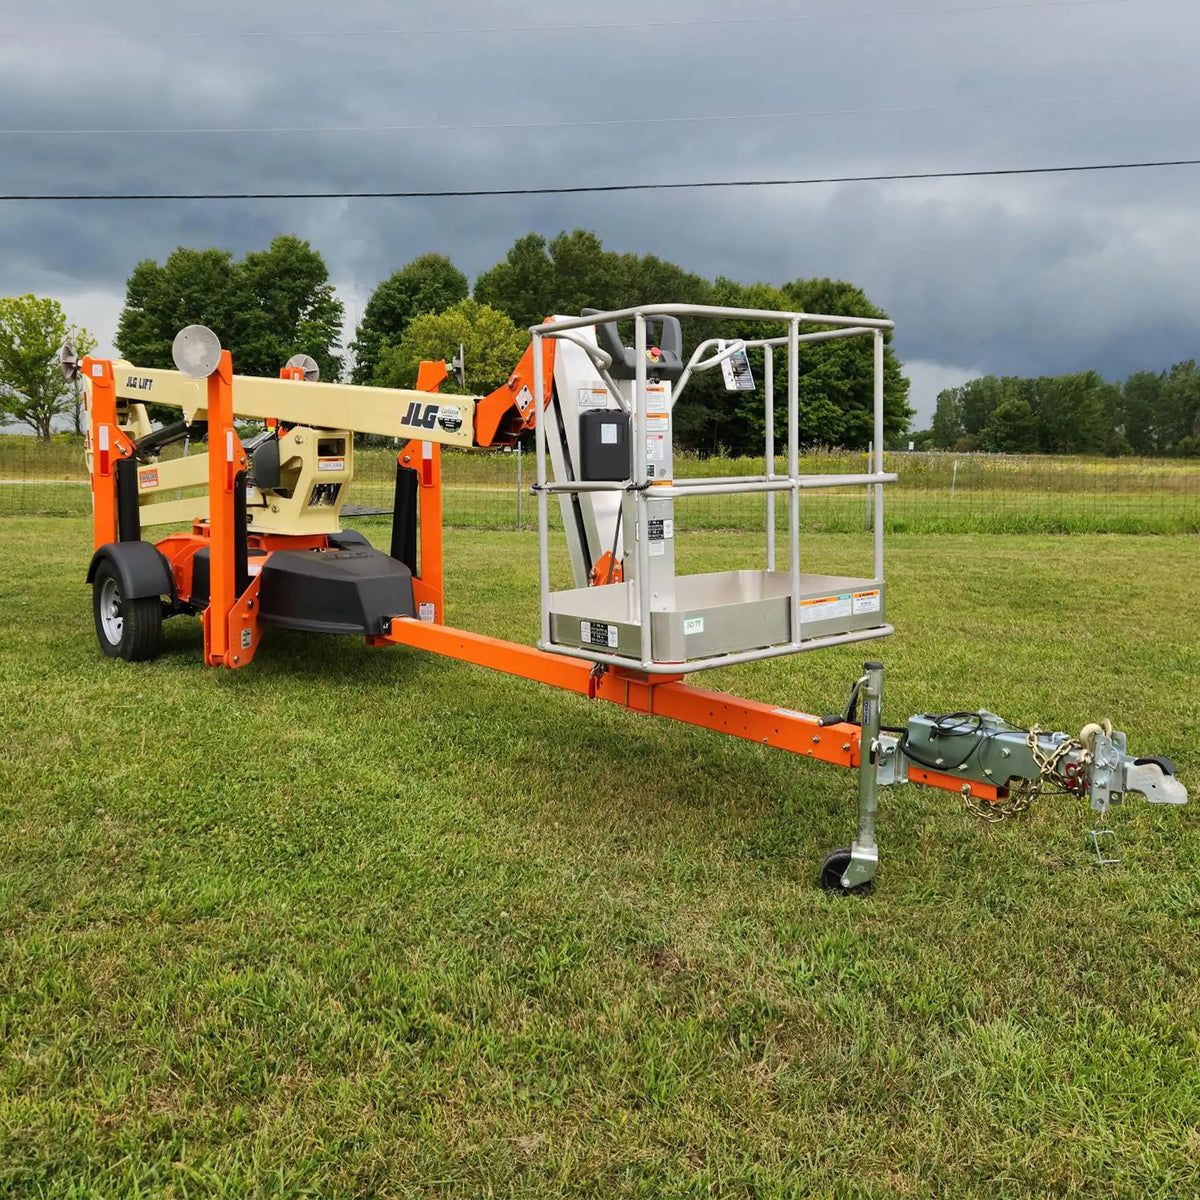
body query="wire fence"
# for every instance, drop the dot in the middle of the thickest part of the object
(936, 492)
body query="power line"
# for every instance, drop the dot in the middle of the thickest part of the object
(891, 110)
(596, 188)
(453, 30)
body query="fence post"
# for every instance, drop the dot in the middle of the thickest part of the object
(519, 486)
(954, 477)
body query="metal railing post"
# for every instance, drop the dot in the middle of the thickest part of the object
(867, 493)
(769, 415)
(539, 426)
(877, 337)
(520, 485)
(640, 479)
(793, 368)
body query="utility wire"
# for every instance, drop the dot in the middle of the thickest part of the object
(893, 110)
(596, 188)
(455, 30)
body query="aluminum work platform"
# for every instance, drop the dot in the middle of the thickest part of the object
(607, 436)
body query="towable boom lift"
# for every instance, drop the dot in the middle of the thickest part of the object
(266, 547)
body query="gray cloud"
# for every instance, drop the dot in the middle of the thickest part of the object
(1014, 276)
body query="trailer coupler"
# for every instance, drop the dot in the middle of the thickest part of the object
(1000, 769)
(980, 747)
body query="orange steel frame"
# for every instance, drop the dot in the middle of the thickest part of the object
(655, 695)
(231, 631)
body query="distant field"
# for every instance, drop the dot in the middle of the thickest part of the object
(936, 493)
(367, 923)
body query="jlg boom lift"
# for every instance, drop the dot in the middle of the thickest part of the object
(264, 546)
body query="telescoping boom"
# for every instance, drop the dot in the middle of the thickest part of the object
(262, 544)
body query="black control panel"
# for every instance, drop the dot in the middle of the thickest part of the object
(604, 445)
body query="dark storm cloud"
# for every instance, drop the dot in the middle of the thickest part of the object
(1018, 275)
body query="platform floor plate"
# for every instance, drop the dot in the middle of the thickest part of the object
(723, 612)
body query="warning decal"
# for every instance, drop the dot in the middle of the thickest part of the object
(591, 396)
(148, 478)
(866, 602)
(824, 608)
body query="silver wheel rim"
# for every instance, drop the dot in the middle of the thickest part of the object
(111, 620)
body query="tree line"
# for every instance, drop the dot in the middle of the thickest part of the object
(1147, 414)
(272, 303)
(425, 310)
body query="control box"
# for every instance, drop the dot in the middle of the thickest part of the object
(604, 445)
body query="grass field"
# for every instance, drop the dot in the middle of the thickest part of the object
(367, 923)
(935, 493)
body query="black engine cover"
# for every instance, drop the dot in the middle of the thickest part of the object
(353, 590)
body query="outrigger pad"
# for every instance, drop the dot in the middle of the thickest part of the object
(354, 590)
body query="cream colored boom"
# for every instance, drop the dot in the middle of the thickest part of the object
(388, 412)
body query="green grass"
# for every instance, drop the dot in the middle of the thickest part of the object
(368, 923)
(983, 493)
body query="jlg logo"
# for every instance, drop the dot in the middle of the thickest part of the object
(423, 416)
(426, 416)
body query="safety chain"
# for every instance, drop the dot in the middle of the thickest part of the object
(1021, 795)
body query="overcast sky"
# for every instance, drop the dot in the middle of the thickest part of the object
(1025, 275)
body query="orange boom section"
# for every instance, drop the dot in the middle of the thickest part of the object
(505, 413)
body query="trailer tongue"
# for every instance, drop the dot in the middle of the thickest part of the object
(265, 546)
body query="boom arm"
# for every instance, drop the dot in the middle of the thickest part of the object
(387, 412)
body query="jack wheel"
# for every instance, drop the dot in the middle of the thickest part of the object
(128, 629)
(834, 867)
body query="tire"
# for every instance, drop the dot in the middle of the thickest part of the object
(834, 867)
(128, 629)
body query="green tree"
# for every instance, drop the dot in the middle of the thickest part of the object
(1012, 428)
(837, 377)
(947, 426)
(1141, 399)
(572, 271)
(294, 309)
(428, 284)
(264, 308)
(32, 389)
(1073, 413)
(522, 285)
(492, 346)
(1180, 407)
(978, 399)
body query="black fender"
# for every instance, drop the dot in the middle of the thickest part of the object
(140, 566)
(346, 538)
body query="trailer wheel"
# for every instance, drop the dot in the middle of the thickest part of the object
(128, 629)
(834, 867)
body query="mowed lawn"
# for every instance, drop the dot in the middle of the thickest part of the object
(368, 923)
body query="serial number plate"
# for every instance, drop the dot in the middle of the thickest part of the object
(597, 633)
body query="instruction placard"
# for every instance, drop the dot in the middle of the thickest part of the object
(597, 633)
(736, 369)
